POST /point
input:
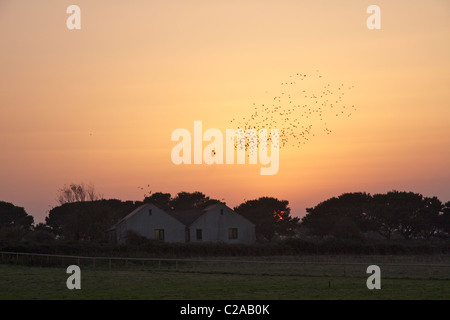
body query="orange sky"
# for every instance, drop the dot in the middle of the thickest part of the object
(98, 105)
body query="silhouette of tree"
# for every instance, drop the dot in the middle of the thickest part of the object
(270, 216)
(42, 227)
(382, 215)
(428, 222)
(406, 213)
(346, 228)
(403, 212)
(160, 199)
(407, 206)
(87, 220)
(77, 193)
(15, 222)
(41, 233)
(345, 216)
(444, 220)
(12, 216)
(191, 200)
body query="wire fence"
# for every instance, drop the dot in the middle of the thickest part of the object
(236, 266)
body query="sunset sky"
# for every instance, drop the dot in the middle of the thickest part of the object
(98, 105)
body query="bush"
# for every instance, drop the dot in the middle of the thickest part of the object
(40, 236)
(13, 233)
(134, 238)
(138, 246)
(346, 228)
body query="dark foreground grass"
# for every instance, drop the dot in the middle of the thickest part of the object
(23, 282)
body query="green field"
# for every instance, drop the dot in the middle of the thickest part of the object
(33, 282)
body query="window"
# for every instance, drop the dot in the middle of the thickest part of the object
(221, 211)
(232, 233)
(149, 212)
(159, 234)
(199, 234)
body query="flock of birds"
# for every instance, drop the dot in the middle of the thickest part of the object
(298, 111)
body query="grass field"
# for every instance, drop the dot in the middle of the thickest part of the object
(33, 282)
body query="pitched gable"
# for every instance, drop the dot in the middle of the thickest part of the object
(187, 217)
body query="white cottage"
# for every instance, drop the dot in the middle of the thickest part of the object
(216, 223)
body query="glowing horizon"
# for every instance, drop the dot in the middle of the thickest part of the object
(98, 105)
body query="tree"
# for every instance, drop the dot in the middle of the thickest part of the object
(159, 199)
(77, 193)
(398, 211)
(270, 216)
(407, 213)
(191, 200)
(15, 222)
(87, 220)
(382, 216)
(444, 219)
(41, 233)
(42, 227)
(12, 216)
(429, 217)
(346, 228)
(345, 216)
(407, 207)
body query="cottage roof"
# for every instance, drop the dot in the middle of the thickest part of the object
(132, 213)
(186, 217)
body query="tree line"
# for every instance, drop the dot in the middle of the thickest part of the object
(395, 213)
(83, 215)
